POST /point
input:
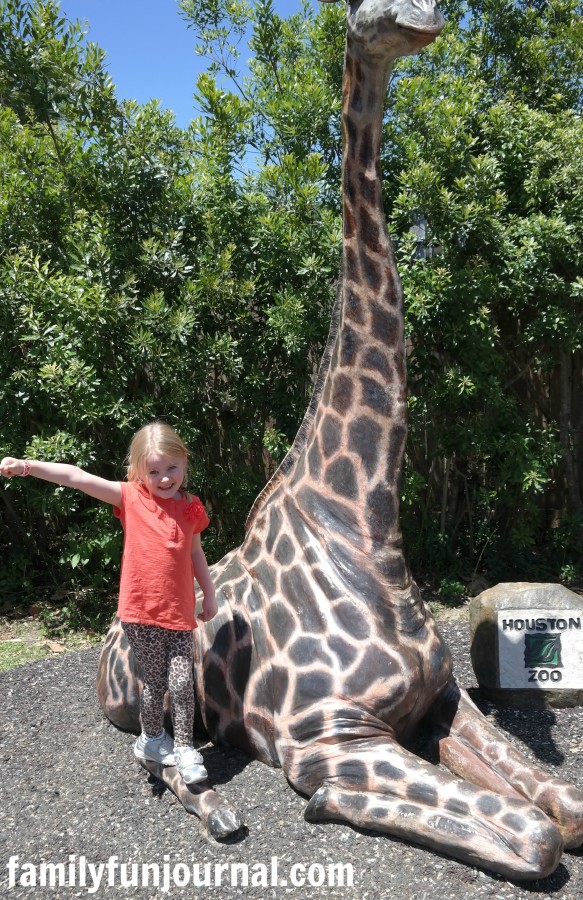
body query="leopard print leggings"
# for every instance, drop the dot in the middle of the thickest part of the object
(166, 659)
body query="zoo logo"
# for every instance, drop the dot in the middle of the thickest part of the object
(544, 651)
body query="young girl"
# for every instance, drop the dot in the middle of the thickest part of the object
(162, 553)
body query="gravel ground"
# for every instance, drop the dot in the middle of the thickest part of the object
(72, 789)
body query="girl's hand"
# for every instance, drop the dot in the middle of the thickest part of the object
(11, 466)
(209, 608)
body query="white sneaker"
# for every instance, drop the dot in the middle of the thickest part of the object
(189, 764)
(159, 749)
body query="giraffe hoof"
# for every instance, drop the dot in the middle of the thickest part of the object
(223, 822)
(315, 811)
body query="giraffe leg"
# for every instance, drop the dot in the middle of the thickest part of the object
(215, 813)
(375, 783)
(473, 748)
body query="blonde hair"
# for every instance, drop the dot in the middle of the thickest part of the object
(156, 437)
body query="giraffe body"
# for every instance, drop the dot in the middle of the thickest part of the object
(323, 658)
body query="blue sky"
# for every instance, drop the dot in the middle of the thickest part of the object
(150, 50)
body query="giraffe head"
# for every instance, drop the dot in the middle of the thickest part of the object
(386, 29)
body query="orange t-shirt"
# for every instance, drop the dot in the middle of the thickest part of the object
(157, 575)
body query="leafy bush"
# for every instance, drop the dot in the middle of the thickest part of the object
(147, 270)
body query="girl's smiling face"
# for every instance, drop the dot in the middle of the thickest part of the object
(163, 475)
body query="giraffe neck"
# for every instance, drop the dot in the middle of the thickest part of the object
(343, 471)
(354, 451)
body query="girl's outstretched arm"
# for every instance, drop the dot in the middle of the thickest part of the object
(66, 475)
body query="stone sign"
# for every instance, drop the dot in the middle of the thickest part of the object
(540, 649)
(527, 644)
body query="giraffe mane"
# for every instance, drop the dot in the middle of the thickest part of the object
(302, 435)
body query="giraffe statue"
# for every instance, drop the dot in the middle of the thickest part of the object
(323, 658)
